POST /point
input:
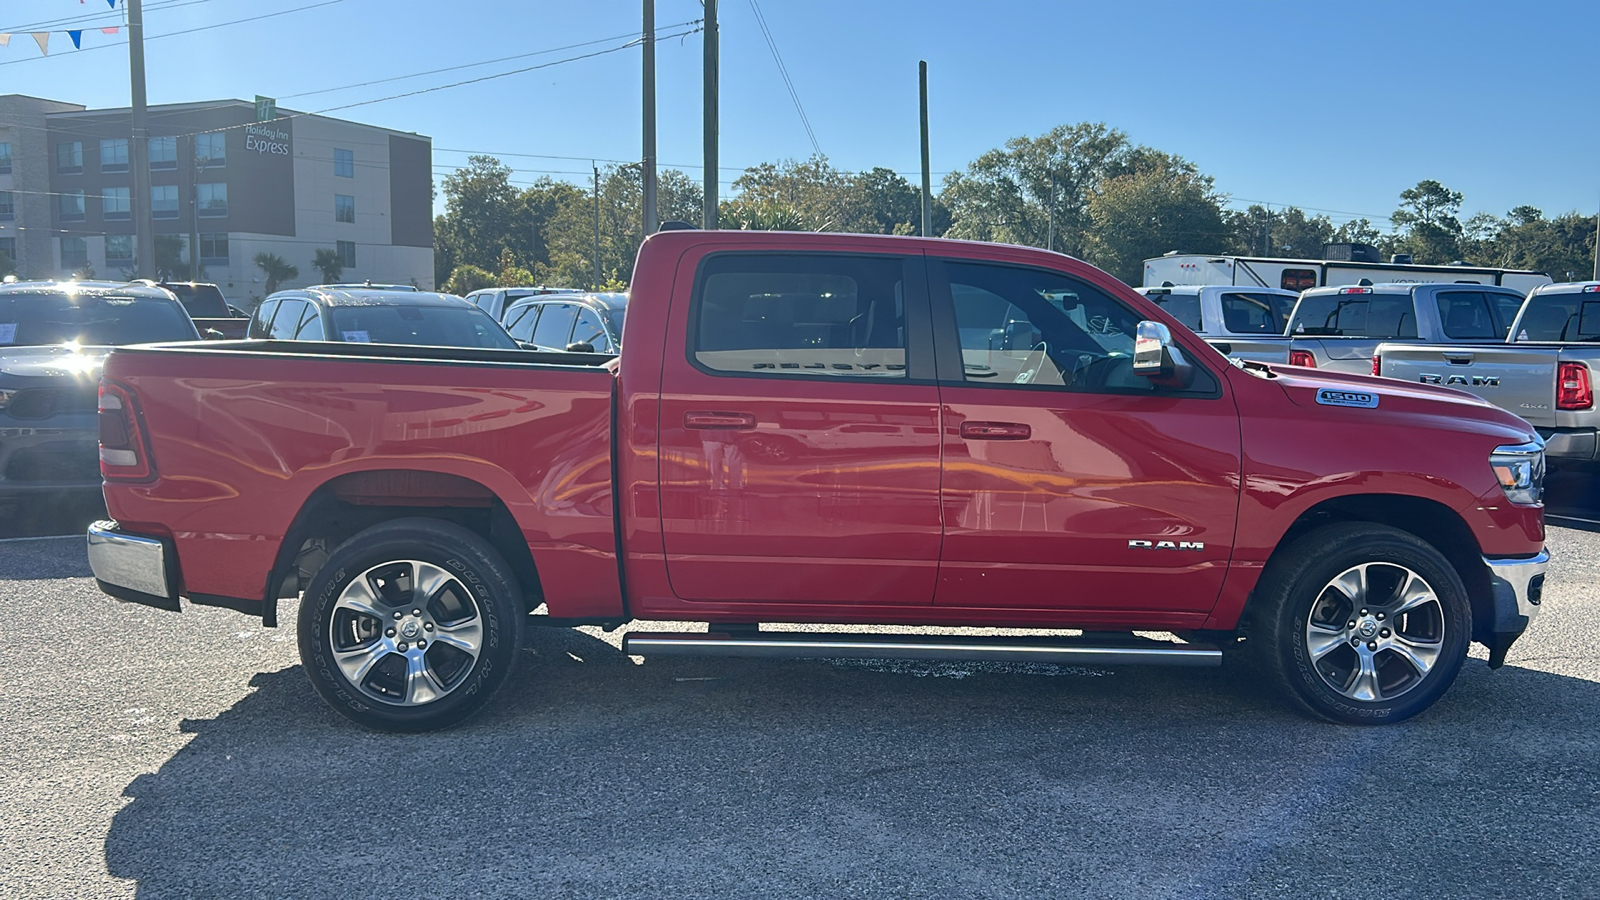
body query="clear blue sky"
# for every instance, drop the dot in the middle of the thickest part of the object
(1332, 107)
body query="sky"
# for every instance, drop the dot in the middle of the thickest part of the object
(1335, 108)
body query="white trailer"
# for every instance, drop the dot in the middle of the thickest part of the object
(1301, 274)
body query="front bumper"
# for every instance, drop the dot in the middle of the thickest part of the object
(133, 567)
(1516, 587)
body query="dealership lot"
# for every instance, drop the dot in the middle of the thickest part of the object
(163, 755)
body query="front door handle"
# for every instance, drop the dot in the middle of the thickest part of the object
(995, 431)
(721, 421)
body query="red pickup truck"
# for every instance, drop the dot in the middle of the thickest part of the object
(809, 428)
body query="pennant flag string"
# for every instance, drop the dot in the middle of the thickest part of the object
(5, 40)
(77, 39)
(42, 38)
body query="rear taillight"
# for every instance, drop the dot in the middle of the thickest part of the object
(1302, 358)
(124, 456)
(1377, 363)
(1573, 390)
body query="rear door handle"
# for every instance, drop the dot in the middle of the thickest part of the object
(995, 431)
(723, 421)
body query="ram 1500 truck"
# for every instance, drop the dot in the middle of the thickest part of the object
(1341, 328)
(1545, 374)
(1242, 323)
(846, 429)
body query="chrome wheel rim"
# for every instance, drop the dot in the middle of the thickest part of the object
(405, 633)
(1375, 632)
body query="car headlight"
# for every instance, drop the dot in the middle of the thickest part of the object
(1520, 470)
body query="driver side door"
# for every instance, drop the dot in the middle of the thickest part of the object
(1069, 482)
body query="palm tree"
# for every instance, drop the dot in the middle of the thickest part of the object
(277, 270)
(329, 263)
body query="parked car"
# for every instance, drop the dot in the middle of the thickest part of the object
(1545, 373)
(1341, 328)
(579, 323)
(212, 314)
(1093, 466)
(496, 301)
(54, 336)
(1244, 323)
(374, 316)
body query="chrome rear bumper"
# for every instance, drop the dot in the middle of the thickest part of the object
(132, 567)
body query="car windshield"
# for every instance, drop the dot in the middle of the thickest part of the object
(203, 301)
(431, 326)
(1355, 315)
(34, 319)
(1561, 317)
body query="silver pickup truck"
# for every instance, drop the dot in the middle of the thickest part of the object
(1545, 374)
(1244, 323)
(1340, 328)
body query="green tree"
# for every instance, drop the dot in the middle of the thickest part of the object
(481, 210)
(1288, 232)
(1427, 219)
(170, 264)
(1142, 214)
(275, 269)
(329, 264)
(1563, 246)
(570, 233)
(466, 279)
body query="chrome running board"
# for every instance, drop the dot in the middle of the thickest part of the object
(815, 645)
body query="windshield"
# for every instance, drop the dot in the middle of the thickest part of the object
(1355, 315)
(429, 326)
(203, 301)
(34, 319)
(1561, 317)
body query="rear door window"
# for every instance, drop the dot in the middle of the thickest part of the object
(1466, 316)
(521, 321)
(1247, 313)
(555, 326)
(1385, 316)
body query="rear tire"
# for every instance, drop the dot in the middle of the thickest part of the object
(1361, 623)
(411, 625)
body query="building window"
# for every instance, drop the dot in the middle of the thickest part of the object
(71, 206)
(8, 209)
(213, 199)
(347, 253)
(114, 155)
(164, 201)
(344, 163)
(5, 158)
(119, 248)
(8, 248)
(214, 247)
(116, 202)
(74, 252)
(69, 157)
(211, 149)
(344, 208)
(164, 153)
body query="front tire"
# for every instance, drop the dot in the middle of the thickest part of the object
(411, 625)
(1362, 623)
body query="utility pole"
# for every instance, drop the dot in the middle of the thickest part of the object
(194, 210)
(927, 176)
(596, 224)
(1597, 248)
(711, 113)
(649, 179)
(1050, 235)
(144, 227)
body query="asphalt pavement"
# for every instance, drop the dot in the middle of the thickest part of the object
(155, 754)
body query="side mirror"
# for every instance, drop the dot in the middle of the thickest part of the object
(1155, 357)
(529, 346)
(580, 347)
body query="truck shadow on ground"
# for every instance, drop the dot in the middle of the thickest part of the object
(592, 776)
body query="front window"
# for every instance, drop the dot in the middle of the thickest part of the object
(435, 326)
(163, 153)
(344, 208)
(28, 319)
(71, 206)
(1183, 307)
(211, 149)
(554, 330)
(808, 315)
(69, 157)
(1366, 315)
(164, 201)
(590, 331)
(213, 199)
(116, 202)
(114, 155)
(1256, 313)
(74, 252)
(119, 248)
(344, 163)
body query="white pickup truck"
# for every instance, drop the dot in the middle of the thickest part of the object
(1545, 374)
(1241, 322)
(1340, 328)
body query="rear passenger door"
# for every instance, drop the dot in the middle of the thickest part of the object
(798, 443)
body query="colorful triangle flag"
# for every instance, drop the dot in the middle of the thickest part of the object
(77, 39)
(113, 3)
(5, 40)
(42, 38)
(112, 30)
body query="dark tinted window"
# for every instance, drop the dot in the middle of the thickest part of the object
(428, 326)
(203, 301)
(1506, 307)
(1355, 315)
(56, 318)
(1465, 315)
(1183, 307)
(1256, 313)
(260, 324)
(1032, 327)
(812, 314)
(555, 326)
(590, 331)
(1561, 317)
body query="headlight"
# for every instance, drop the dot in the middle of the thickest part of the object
(1520, 470)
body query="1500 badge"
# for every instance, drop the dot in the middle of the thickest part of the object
(1360, 399)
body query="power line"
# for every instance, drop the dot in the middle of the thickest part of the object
(784, 72)
(89, 19)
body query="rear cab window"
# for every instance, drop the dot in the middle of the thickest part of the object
(1563, 316)
(203, 301)
(1353, 312)
(1467, 316)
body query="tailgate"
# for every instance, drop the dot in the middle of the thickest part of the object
(1518, 379)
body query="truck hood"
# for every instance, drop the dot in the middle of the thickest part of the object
(57, 361)
(1343, 392)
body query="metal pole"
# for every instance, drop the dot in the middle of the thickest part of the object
(650, 220)
(927, 176)
(596, 225)
(1050, 235)
(1597, 248)
(144, 227)
(194, 212)
(709, 219)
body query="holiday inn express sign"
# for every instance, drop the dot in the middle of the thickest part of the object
(266, 139)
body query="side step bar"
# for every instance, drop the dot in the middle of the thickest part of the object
(815, 645)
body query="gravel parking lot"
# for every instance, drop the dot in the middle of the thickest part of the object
(159, 755)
